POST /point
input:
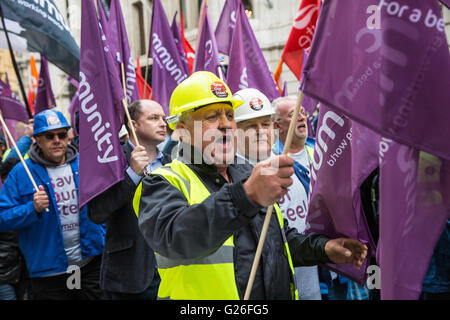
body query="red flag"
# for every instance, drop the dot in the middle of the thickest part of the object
(141, 83)
(190, 53)
(33, 86)
(300, 38)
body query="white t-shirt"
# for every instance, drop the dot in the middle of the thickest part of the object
(294, 206)
(66, 195)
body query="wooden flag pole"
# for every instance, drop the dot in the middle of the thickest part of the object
(125, 106)
(19, 154)
(270, 209)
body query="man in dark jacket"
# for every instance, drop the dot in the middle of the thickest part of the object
(206, 245)
(128, 266)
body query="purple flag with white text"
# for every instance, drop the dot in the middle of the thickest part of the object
(167, 69)
(206, 54)
(414, 210)
(247, 67)
(102, 162)
(44, 97)
(345, 154)
(385, 65)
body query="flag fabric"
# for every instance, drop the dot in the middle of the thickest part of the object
(167, 70)
(445, 3)
(74, 108)
(38, 26)
(247, 67)
(189, 51)
(7, 80)
(177, 37)
(284, 93)
(33, 84)
(207, 55)
(387, 71)
(116, 35)
(301, 35)
(345, 154)
(44, 97)
(309, 104)
(10, 105)
(141, 83)
(226, 25)
(13, 111)
(102, 162)
(414, 210)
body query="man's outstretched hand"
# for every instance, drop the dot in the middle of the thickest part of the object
(346, 250)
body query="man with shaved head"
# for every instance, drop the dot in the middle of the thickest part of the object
(128, 264)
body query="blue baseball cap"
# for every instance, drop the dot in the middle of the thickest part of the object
(47, 120)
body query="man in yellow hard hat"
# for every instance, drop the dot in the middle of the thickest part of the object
(203, 213)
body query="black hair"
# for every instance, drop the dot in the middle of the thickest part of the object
(135, 111)
(7, 166)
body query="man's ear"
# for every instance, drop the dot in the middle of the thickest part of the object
(182, 132)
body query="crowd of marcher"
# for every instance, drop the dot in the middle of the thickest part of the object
(185, 221)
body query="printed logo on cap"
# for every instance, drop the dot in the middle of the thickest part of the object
(219, 89)
(52, 120)
(256, 104)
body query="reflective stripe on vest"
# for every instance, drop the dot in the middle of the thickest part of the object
(211, 277)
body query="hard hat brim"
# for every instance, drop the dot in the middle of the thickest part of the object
(254, 116)
(205, 102)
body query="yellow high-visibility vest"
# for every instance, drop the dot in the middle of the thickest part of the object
(204, 278)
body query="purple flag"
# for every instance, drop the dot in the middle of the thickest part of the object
(207, 55)
(414, 209)
(247, 67)
(167, 70)
(7, 80)
(309, 104)
(116, 35)
(445, 3)
(102, 162)
(13, 111)
(177, 38)
(284, 92)
(44, 97)
(345, 154)
(226, 25)
(73, 108)
(10, 105)
(387, 69)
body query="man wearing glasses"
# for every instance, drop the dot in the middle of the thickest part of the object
(54, 233)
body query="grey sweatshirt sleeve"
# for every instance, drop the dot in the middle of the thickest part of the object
(177, 230)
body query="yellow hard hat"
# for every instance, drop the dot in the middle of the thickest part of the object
(200, 89)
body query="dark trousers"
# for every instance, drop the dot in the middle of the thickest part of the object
(151, 293)
(56, 288)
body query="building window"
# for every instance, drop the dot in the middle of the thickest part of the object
(139, 24)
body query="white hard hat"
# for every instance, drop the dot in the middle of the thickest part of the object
(255, 105)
